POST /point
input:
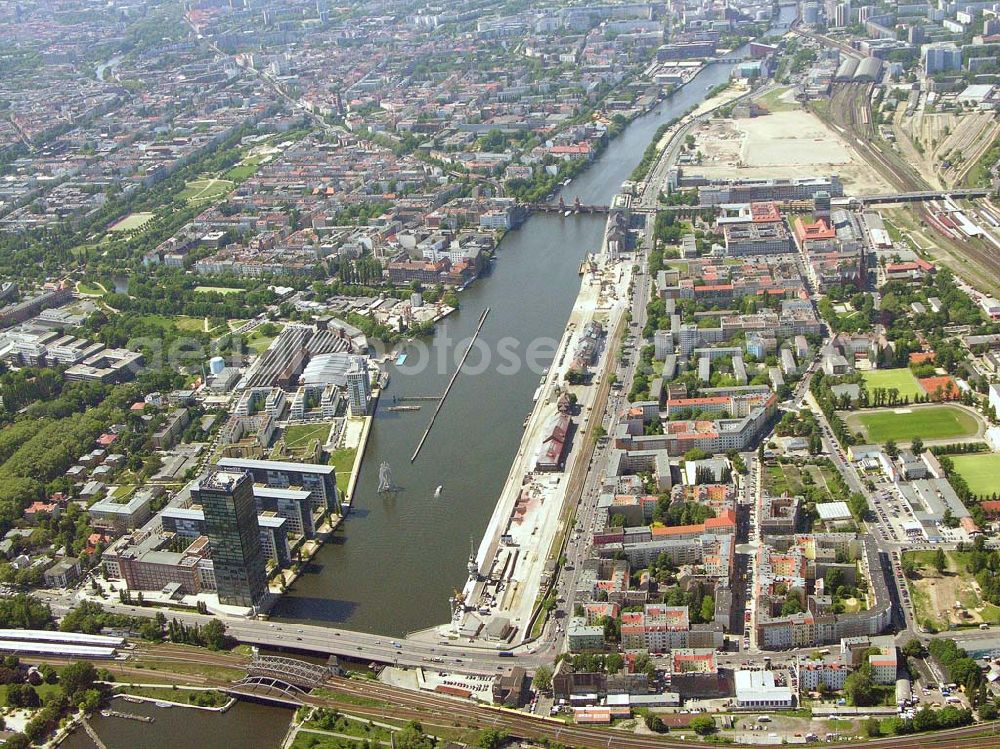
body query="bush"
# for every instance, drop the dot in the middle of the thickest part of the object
(703, 725)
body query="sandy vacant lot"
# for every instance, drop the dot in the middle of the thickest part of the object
(783, 144)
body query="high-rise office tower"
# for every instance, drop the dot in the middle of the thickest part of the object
(231, 522)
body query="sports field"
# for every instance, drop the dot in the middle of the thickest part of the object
(902, 379)
(132, 221)
(216, 289)
(207, 188)
(903, 424)
(981, 471)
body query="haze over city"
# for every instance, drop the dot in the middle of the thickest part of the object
(495, 374)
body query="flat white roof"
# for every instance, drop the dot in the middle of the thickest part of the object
(55, 648)
(275, 465)
(46, 635)
(759, 686)
(833, 511)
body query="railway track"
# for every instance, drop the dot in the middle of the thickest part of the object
(430, 708)
(850, 114)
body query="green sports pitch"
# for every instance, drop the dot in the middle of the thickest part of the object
(903, 424)
(902, 379)
(980, 471)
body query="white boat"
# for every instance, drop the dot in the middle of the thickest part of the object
(162, 704)
(437, 492)
(568, 213)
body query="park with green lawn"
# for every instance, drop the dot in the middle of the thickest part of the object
(901, 379)
(931, 422)
(298, 436)
(980, 471)
(205, 189)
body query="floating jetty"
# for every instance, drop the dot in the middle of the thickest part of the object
(451, 382)
(130, 716)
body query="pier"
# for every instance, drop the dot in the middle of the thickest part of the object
(93, 734)
(128, 716)
(451, 382)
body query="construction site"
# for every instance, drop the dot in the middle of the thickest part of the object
(788, 143)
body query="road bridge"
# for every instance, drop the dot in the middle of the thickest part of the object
(562, 207)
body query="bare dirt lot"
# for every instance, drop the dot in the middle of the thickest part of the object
(792, 143)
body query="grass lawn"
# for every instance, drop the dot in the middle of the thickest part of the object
(902, 379)
(132, 221)
(124, 491)
(903, 424)
(324, 720)
(90, 289)
(258, 341)
(245, 169)
(980, 471)
(201, 697)
(774, 101)
(343, 461)
(178, 322)
(44, 690)
(216, 289)
(309, 740)
(207, 188)
(794, 479)
(211, 671)
(783, 478)
(300, 435)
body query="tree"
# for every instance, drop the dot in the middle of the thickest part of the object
(22, 695)
(703, 725)
(940, 562)
(543, 679)
(891, 450)
(90, 700)
(214, 634)
(791, 606)
(77, 677)
(17, 741)
(914, 649)
(707, 609)
(491, 738)
(910, 566)
(988, 711)
(917, 445)
(655, 723)
(873, 728)
(613, 663)
(925, 719)
(859, 687)
(411, 736)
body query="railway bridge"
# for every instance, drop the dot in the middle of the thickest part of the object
(284, 679)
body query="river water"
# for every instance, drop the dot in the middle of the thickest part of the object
(246, 724)
(395, 562)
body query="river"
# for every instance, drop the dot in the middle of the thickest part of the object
(395, 562)
(246, 724)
